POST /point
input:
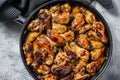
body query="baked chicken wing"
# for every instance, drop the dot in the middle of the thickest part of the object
(78, 22)
(41, 22)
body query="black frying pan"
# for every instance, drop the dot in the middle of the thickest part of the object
(72, 2)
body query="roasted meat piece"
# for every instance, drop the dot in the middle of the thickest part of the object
(28, 50)
(62, 18)
(75, 10)
(59, 28)
(96, 44)
(78, 22)
(93, 36)
(54, 10)
(94, 66)
(43, 42)
(83, 41)
(100, 31)
(49, 58)
(68, 36)
(81, 53)
(81, 77)
(32, 36)
(43, 69)
(41, 22)
(97, 53)
(54, 36)
(61, 58)
(70, 54)
(49, 77)
(39, 56)
(89, 16)
(65, 7)
(85, 28)
(69, 76)
(61, 71)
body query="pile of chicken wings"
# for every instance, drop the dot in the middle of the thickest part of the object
(65, 43)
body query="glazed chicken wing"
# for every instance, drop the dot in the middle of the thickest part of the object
(78, 22)
(69, 76)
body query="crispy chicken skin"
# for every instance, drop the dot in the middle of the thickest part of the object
(59, 28)
(32, 36)
(78, 22)
(89, 16)
(95, 65)
(65, 42)
(41, 22)
(68, 36)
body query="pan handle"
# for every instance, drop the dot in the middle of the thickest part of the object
(20, 20)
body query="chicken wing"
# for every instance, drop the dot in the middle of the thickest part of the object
(81, 53)
(95, 65)
(100, 31)
(54, 36)
(65, 7)
(59, 28)
(97, 53)
(78, 22)
(75, 10)
(43, 69)
(54, 10)
(49, 77)
(89, 16)
(81, 77)
(62, 18)
(41, 22)
(85, 28)
(68, 36)
(69, 76)
(32, 36)
(61, 58)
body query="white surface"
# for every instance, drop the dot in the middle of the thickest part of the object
(12, 68)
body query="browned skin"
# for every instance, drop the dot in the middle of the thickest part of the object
(65, 43)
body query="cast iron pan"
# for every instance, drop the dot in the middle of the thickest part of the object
(72, 2)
